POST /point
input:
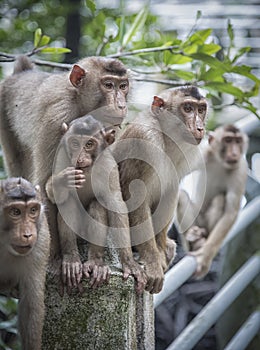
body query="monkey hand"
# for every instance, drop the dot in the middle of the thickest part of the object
(71, 271)
(170, 252)
(97, 271)
(203, 262)
(69, 177)
(74, 177)
(155, 276)
(131, 267)
(196, 237)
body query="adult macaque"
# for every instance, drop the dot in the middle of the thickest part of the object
(226, 173)
(24, 251)
(77, 189)
(34, 104)
(159, 147)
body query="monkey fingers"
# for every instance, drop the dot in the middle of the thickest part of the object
(75, 177)
(137, 272)
(71, 271)
(97, 272)
(155, 277)
(203, 263)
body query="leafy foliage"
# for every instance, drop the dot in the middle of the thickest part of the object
(8, 324)
(138, 40)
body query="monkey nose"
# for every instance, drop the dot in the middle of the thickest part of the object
(27, 235)
(122, 107)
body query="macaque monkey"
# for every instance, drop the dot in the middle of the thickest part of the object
(156, 150)
(77, 189)
(34, 104)
(226, 173)
(24, 251)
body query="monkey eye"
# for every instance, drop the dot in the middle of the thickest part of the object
(33, 211)
(228, 139)
(187, 107)
(75, 144)
(202, 109)
(123, 86)
(90, 144)
(14, 212)
(108, 85)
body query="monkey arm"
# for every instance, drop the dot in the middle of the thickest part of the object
(208, 251)
(58, 185)
(52, 182)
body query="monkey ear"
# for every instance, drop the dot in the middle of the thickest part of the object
(211, 137)
(157, 105)
(109, 136)
(38, 188)
(64, 128)
(76, 75)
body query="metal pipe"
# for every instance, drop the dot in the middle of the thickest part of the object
(218, 304)
(246, 333)
(175, 277)
(245, 218)
(248, 124)
(185, 268)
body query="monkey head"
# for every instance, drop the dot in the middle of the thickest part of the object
(228, 145)
(183, 109)
(20, 209)
(84, 139)
(107, 79)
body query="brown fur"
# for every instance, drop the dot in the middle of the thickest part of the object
(24, 268)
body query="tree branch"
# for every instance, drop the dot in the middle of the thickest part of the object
(147, 50)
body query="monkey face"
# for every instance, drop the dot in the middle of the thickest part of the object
(228, 146)
(21, 219)
(114, 90)
(182, 111)
(232, 150)
(193, 113)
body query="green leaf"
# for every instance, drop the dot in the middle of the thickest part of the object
(37, 37)
(136, 26)
(230, 32)
(241, 52)
(171, 58)
(44, 40)
(198, 15)
(55, 50)
(246, 72)
(227, 88)
(91, 5)
(212, 62)
(182, 74)
(200, 36)
(190, 49)
(209, 49)
(212, 75)
(253, 92)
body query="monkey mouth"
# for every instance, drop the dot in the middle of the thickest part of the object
(83, 167)
(231, 161)
(198, 140)
(22, 249)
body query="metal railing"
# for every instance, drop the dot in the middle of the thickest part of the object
(186, 267)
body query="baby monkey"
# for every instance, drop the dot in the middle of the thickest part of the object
(84, 197)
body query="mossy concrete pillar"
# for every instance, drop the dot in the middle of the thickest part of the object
(112, 317)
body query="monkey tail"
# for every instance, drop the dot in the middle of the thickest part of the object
(22, 64)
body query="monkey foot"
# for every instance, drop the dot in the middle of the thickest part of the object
(155, 277)
(97, 272)
(203, 263)
(196, 237)
(134, 269)
(71, 272)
